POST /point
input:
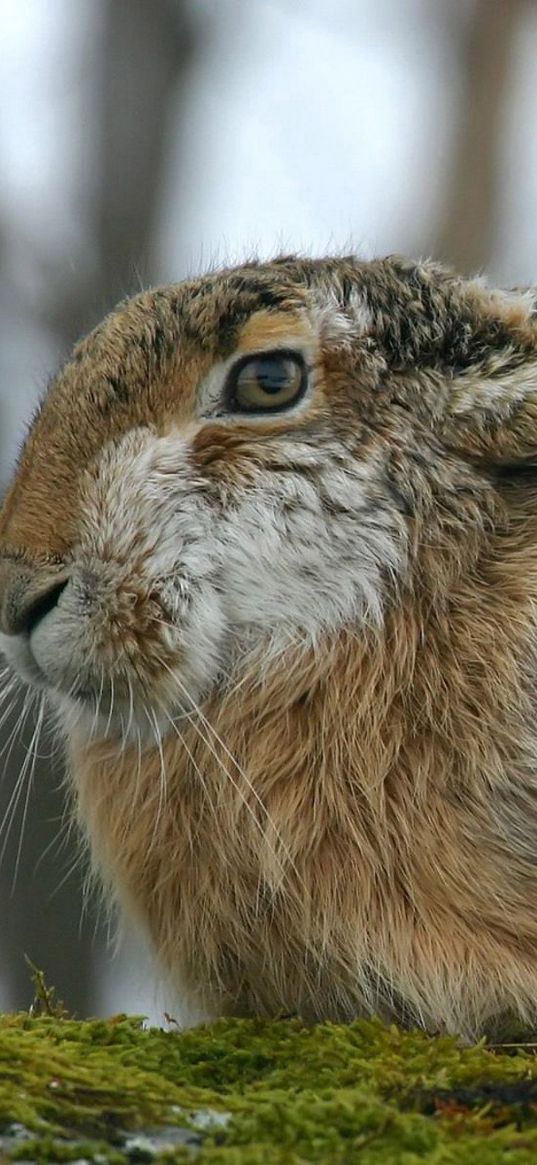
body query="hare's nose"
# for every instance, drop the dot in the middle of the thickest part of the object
(27, 595)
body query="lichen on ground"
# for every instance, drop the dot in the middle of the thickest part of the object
(246, 1092)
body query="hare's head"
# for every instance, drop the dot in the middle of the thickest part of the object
(253, 461)
(270, 551)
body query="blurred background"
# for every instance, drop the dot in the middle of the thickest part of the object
(142, 141)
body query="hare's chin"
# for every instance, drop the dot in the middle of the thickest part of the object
(126, 726)
(94, 713)
(91, 705)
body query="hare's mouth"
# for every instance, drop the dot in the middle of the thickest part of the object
(112, 663)
(101, 704)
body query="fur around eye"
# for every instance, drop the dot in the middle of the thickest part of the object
(268, 382)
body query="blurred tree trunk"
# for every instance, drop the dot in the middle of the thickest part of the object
(142, 70)
(146, 54)
(145, 73)
(468, 225)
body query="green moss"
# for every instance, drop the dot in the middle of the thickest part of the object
(294, 1095)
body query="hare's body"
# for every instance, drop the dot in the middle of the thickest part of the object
(272, 550)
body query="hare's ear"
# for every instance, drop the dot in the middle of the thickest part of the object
(491, 412)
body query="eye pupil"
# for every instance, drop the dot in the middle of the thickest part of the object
(272, 375)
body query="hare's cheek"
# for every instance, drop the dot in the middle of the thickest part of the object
(138, 631)
(314, 558)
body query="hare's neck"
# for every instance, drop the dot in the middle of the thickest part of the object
(403, 759)
(366, 729)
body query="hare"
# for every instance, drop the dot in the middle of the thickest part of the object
(270, 553)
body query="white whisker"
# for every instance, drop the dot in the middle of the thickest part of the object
(194, 762)
(13, 803)
(163, 786)
(111, 711)
(27, 772)
(7, 711)
(131, 713)
(210, 745)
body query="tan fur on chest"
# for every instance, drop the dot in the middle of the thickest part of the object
(342, 841)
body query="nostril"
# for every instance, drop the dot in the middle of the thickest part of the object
(37, 610)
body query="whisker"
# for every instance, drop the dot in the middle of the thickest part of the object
(29, 765)
(59, 841)
(7, 711)
(29, 697)
(210, 745)
(11, 681)
(112, 696)
(76, 863)
(210, 728)
(131, 712)
(98, 706)
(9, 688)
(139, 767)
(14, 799)
(193, 760)
(163, 785)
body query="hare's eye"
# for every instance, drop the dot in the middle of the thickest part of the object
(266, 383)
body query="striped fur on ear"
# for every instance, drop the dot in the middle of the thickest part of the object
(460, 355)
(492, 406)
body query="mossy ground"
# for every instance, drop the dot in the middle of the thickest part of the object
(364, 1093)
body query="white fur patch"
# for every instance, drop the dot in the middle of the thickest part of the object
(303, 558)
(304, 548)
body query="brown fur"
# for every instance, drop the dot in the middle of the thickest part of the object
(373, 872)
(382, 853)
